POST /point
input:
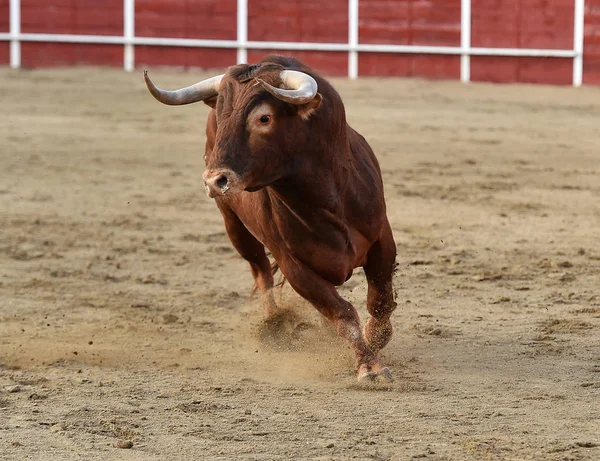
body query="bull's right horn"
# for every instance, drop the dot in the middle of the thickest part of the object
(302, 87)
(194, 93)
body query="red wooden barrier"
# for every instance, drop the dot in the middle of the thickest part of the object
(536, 24)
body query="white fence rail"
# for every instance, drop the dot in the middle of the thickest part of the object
(129, 40)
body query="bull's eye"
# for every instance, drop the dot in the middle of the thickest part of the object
(265, 119)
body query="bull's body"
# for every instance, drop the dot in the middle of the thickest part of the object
(308, 187)
(323, 221)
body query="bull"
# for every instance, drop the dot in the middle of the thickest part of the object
(288, 173)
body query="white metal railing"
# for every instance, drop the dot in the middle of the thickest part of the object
(128, 34)
(465, 40)
(129, 40)
(242, 31)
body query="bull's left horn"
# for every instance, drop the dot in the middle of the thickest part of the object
(302, 87)
(194, 93)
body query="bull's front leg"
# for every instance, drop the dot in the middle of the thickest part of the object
(325, 298)
(379, 270)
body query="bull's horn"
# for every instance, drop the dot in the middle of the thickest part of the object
(303, 88)
(193, 93)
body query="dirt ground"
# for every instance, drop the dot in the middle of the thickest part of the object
(125, 319)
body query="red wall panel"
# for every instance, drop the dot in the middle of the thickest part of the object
(72, 17)
(591, 44)
(4, 27)
(410, 22)
(495, 23)
(409, 65)
(207, 19)
(205, 58)
(522, 24)
(555, 71)
(4, 16)
(70, 54)
(326, 62)
(298, 20)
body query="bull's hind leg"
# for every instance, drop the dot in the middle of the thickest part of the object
(379, 270)
(325, 298)
(252, 251)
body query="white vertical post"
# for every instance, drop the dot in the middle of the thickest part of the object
(465, 41)
(578, 34)
(129, 34)
(15, 32)
(353, 39)
(242, 31)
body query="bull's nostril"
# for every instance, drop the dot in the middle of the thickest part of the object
(221, 183)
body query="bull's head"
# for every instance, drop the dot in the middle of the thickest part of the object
(262, 118)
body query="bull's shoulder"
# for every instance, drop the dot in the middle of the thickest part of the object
(364, 201)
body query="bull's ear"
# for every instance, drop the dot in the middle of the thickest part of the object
(211, 102)
(306, 110)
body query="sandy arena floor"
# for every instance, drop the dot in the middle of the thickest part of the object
(124, 311)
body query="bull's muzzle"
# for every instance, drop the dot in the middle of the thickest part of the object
(221, 181)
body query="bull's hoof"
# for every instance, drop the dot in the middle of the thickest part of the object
(373, 375)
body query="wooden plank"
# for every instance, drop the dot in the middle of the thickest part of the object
(206, 19)
(499, 69)
(522, 24)
(434, 22)
(4, 53)
(187, 58)
(409, 65)
(67, 17)
(330, 63)
(35, 54)
(298, 21)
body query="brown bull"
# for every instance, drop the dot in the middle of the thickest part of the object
(288, 173)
